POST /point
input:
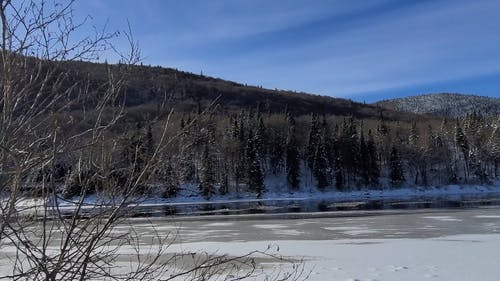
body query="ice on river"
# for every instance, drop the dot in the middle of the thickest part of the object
(413, 245)
(419, 245)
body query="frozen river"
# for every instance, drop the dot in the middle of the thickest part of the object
(427, 223)
(453, 244)
(429, 244)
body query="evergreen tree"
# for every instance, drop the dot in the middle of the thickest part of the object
(354, 160)
(364, 162)
(463, 145)
(320, 166)
(396, 174)
(384, 141)
(171, 182)
(339, 179)
(314, 139)
(207, 179)
(330, 146)
(461, 140)
(224, 186)
(277, 150)
(416, 156)
(337, 159)
(240, 163)
(260, 140)
(292, 155)
(187, 169)
(349, 152)
(135, 153)
(255, 178)
(373, 165)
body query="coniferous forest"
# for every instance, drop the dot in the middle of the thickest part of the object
(248, 151)
(169, 134)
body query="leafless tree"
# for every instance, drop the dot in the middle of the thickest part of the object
(39, 129)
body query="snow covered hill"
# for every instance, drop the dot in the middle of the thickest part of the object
(445, 104)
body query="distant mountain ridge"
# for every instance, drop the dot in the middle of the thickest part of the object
(444, 104)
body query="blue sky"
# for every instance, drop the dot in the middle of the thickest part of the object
(364, 50)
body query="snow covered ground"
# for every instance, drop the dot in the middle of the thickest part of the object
(461, 257)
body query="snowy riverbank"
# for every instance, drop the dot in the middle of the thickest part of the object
(452, 192)
(281, 201)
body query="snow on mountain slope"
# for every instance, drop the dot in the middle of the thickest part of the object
(445, 104)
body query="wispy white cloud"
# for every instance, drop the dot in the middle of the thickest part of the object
(433, 43)
(336, 47)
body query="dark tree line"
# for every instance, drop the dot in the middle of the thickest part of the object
(239, 153)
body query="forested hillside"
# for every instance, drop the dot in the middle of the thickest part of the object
(245, 151)
(445, 105)
(222, 137)
(148, 87)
